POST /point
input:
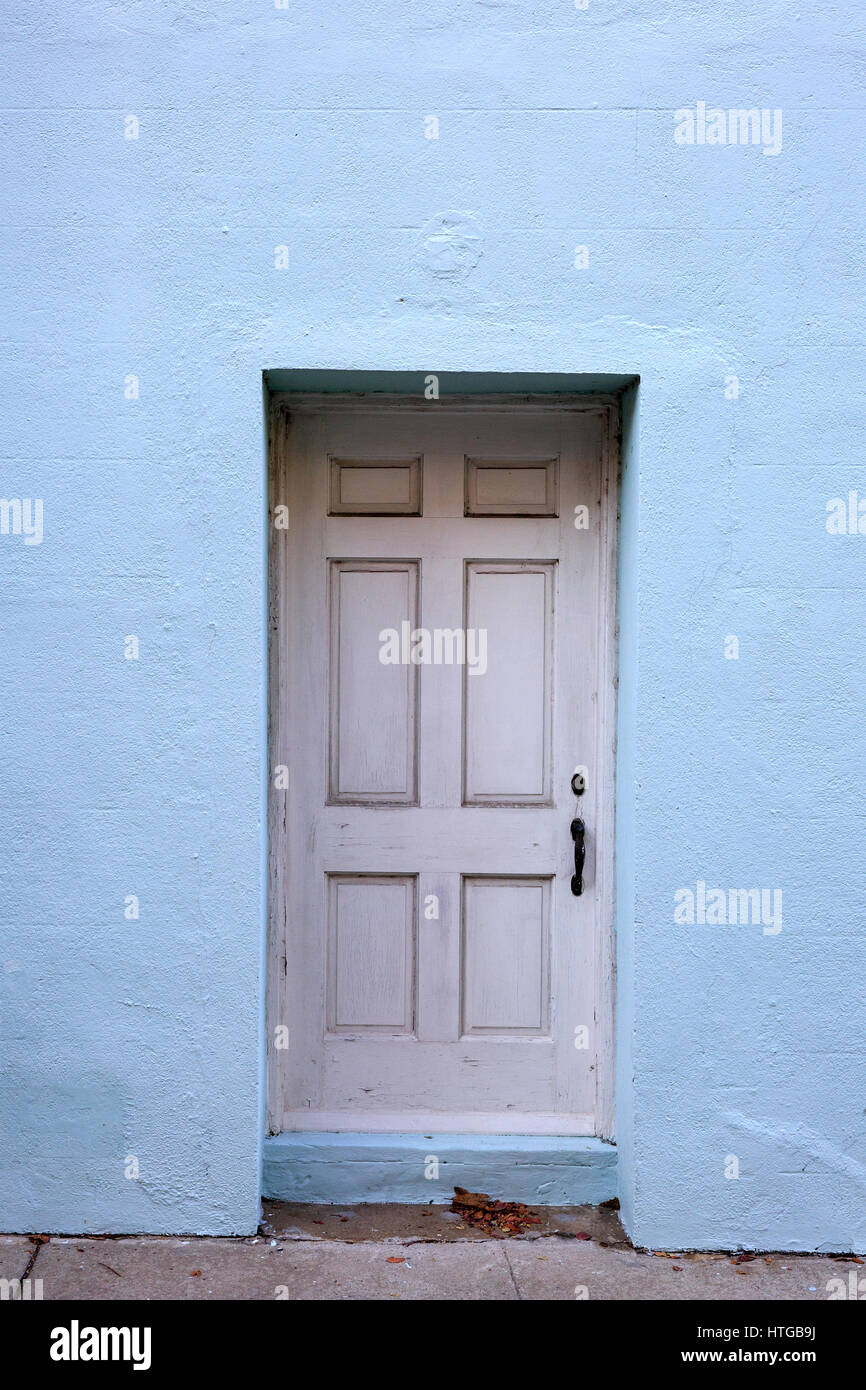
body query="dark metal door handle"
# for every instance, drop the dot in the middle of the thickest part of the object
(578, 832)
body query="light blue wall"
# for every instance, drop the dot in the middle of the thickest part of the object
(304, 127)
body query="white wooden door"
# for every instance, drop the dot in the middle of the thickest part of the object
(441, 665)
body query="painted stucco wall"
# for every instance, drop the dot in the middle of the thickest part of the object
(282, 207)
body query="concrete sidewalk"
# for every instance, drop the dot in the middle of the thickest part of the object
(309, 1253)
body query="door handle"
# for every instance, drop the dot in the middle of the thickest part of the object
(578, 833)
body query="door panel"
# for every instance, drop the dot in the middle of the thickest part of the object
(507, 708)
(371, 951)
(440, 666)
(508, 487)
(372, 707)
(506, 956)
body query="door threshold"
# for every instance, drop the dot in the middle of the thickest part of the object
(353, 1168)
(438, 1122)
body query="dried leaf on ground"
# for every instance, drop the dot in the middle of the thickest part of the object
(486, 1214)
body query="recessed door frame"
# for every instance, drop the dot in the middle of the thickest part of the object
(282, 405)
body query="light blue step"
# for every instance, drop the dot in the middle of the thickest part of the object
(346, 1169)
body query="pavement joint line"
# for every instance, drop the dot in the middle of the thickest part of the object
(34, 1255)
(266, 1240)
(511, 1272)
